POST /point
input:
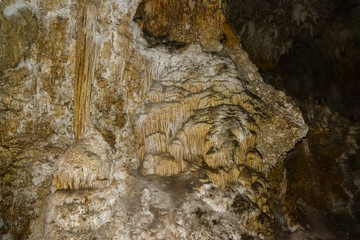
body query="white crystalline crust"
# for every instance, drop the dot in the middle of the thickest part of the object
(14, 10)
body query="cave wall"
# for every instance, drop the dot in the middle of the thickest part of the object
(310, 50)
(115, 113)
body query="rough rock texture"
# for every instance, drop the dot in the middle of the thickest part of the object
(265, 27)
(199, 110)
(310, 50)
(176, 23)
(146, 119)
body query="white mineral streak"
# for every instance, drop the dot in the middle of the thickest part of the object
(14, 10)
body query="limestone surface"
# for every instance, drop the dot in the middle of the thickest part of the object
(121, 121)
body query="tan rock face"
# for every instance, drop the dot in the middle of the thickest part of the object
(21, 28)
(199, 112)
(168, 113)
(181, 22)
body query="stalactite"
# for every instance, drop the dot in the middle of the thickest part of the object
(241, 152)
(148, 77)
(86, 60)
(163, 118)
(196, 140)
(176, 149)
(218, 159)
(251, 140)
(254, 159)
(155, 143)
(197, 125)
(86, 163)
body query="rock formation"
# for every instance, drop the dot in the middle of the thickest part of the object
(146, 119)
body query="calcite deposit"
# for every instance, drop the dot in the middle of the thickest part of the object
(139, 119)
